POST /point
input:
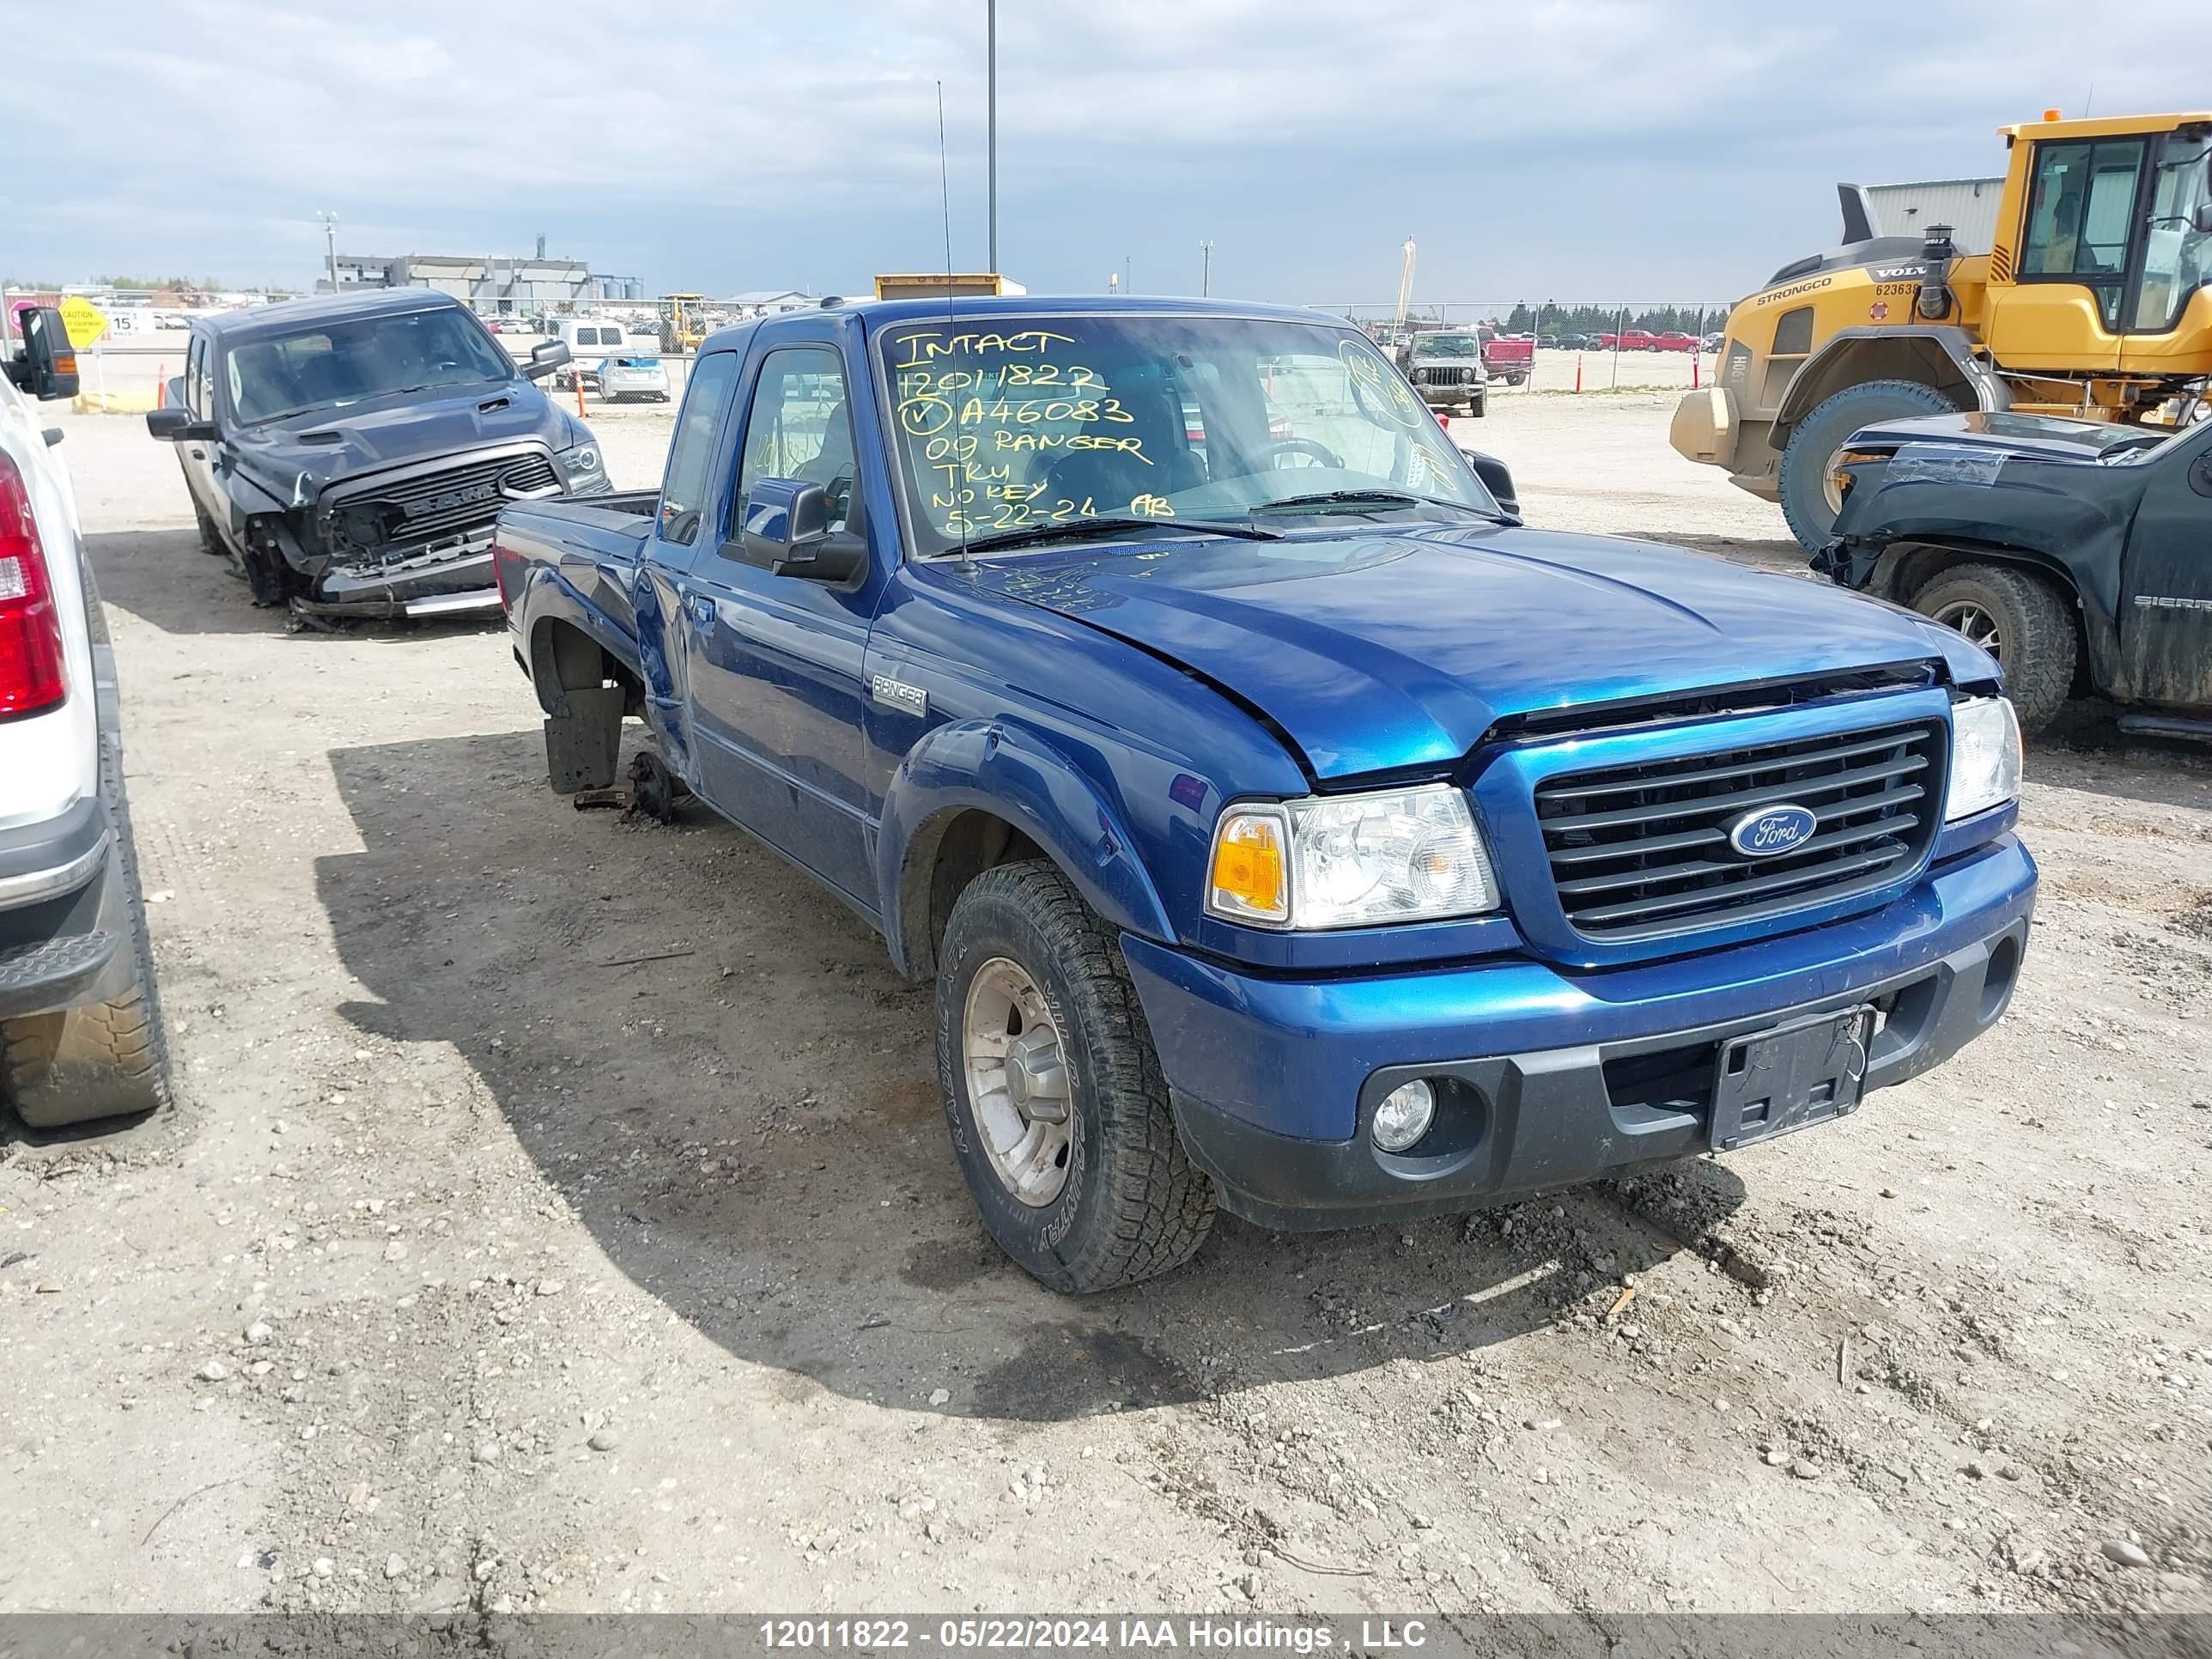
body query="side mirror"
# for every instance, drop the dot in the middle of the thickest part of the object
(2200, 219)
(45, 365)
(1497, 478)
(175, 425)
(544, 359)
(787, 532)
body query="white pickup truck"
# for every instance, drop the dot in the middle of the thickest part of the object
(81, 1033)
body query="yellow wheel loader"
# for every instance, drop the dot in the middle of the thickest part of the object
(2094, 300)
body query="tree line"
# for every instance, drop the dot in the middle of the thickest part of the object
(1551, 318)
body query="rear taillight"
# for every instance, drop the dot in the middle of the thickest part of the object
(504, 558)
(31, 676)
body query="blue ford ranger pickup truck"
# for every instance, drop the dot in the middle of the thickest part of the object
(1286, 829)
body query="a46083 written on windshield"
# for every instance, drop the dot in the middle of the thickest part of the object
(990, 412)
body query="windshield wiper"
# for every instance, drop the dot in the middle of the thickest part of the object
(1028, 535)
(1368, 498)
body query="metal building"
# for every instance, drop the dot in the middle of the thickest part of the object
(1969, 206)
(494, 284)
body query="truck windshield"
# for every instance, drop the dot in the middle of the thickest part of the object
(1448, 345)
(337, 364)
(1015, 421)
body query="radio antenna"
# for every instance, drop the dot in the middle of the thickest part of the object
(951, 317)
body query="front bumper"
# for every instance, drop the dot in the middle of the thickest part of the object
(453, 577)
(1553, 1077)
(1451, 397)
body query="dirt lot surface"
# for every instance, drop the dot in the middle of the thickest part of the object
(559, 1216)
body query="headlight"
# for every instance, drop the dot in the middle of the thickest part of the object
(584, 458)
(1351, 861)
(1985, 757)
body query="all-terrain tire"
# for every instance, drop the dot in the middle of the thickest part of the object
(1807, 462)
(2037, 643)
(210, 538)
(1133, 1204)
(105, 1059)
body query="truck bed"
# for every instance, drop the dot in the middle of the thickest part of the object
(573, 559)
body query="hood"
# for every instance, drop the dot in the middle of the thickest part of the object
(2000, 433)
(1380, 649)
(324, 446)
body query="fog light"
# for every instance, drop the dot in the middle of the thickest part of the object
(1403, 1116)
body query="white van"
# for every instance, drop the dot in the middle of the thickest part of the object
(590, 339)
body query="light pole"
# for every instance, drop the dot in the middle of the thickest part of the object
(330, 222)
(991, 76)
(1205, 269)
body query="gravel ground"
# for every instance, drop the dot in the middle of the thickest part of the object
(558, 1217)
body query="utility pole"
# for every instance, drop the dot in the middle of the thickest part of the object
(1129, 282)
(1205, 269)
(991, 52)
(330, 222)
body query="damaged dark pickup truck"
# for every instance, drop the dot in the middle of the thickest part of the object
(349, 454)
(2072, 551)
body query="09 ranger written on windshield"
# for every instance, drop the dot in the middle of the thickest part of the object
(1286, 829)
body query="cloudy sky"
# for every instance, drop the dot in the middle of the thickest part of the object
(1572, 149)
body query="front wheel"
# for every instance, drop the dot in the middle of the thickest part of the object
(1058, 1110)
(2019, 619)
(1811, 497)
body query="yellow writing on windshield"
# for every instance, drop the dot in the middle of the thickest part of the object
(927, 346)
(989, 416)
(1383, 386)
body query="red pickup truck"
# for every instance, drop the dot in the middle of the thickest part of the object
(1508, 357)
(1633, 339)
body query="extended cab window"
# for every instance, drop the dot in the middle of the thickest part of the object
(684, 489)
(799, 427)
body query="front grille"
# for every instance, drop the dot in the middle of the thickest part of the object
(423, 506)
(1641, 852)
(1432, 375)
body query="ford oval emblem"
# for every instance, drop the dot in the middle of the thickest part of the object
(1765, 831)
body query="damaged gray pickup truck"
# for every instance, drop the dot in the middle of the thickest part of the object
(349, 454)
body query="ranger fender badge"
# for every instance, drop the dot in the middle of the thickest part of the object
(894, 694)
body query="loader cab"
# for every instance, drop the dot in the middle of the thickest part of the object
(2104, 249)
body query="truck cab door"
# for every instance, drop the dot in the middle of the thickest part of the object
(685, 523)
(778, 697)
(197, 456)
(2165, 618)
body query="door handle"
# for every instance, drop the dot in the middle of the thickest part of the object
(197, 454)
(702, 607)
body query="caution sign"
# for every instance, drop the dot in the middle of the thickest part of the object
(84, 321)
